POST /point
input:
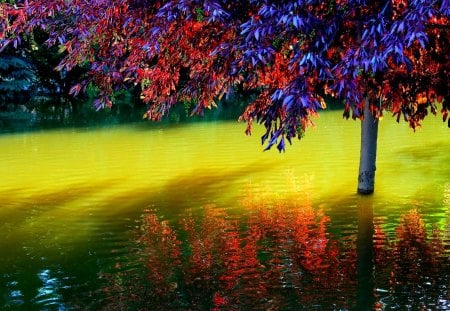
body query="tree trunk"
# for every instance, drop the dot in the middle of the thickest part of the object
(369, 134)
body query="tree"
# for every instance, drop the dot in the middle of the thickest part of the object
(376, 56)
(16, 78)
(54, 85)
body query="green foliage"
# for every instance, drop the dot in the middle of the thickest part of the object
(200, 14)
(15, 72)
(16, 76)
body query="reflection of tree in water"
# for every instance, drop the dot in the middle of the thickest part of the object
(275, 254)
(413, 269)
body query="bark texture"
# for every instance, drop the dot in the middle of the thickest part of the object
(368, 155)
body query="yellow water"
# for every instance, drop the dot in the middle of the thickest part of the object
(136, 161)
(65, 188)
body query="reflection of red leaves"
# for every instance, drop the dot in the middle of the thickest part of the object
(282, 245)
(163, 253)
(285, 244)
(415, 257)
(380, 245)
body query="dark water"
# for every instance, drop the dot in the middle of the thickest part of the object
(197, 217)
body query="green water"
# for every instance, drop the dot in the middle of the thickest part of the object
(196, 216)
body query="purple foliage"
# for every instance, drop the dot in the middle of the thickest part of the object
(376, 39)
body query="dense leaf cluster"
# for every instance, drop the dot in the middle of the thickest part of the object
(16, 74)
(393, 54)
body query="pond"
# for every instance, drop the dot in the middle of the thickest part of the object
(196, 216)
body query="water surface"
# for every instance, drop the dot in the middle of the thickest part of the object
(196, 216)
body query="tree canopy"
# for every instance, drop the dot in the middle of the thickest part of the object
(392, 54)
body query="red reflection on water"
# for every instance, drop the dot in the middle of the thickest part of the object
(272, 256)
(414, 267)
(415, 254)
(277, 254)
(163, 253)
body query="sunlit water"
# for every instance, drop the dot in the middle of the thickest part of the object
(196, 216)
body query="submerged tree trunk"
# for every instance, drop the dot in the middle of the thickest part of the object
(369, 134)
